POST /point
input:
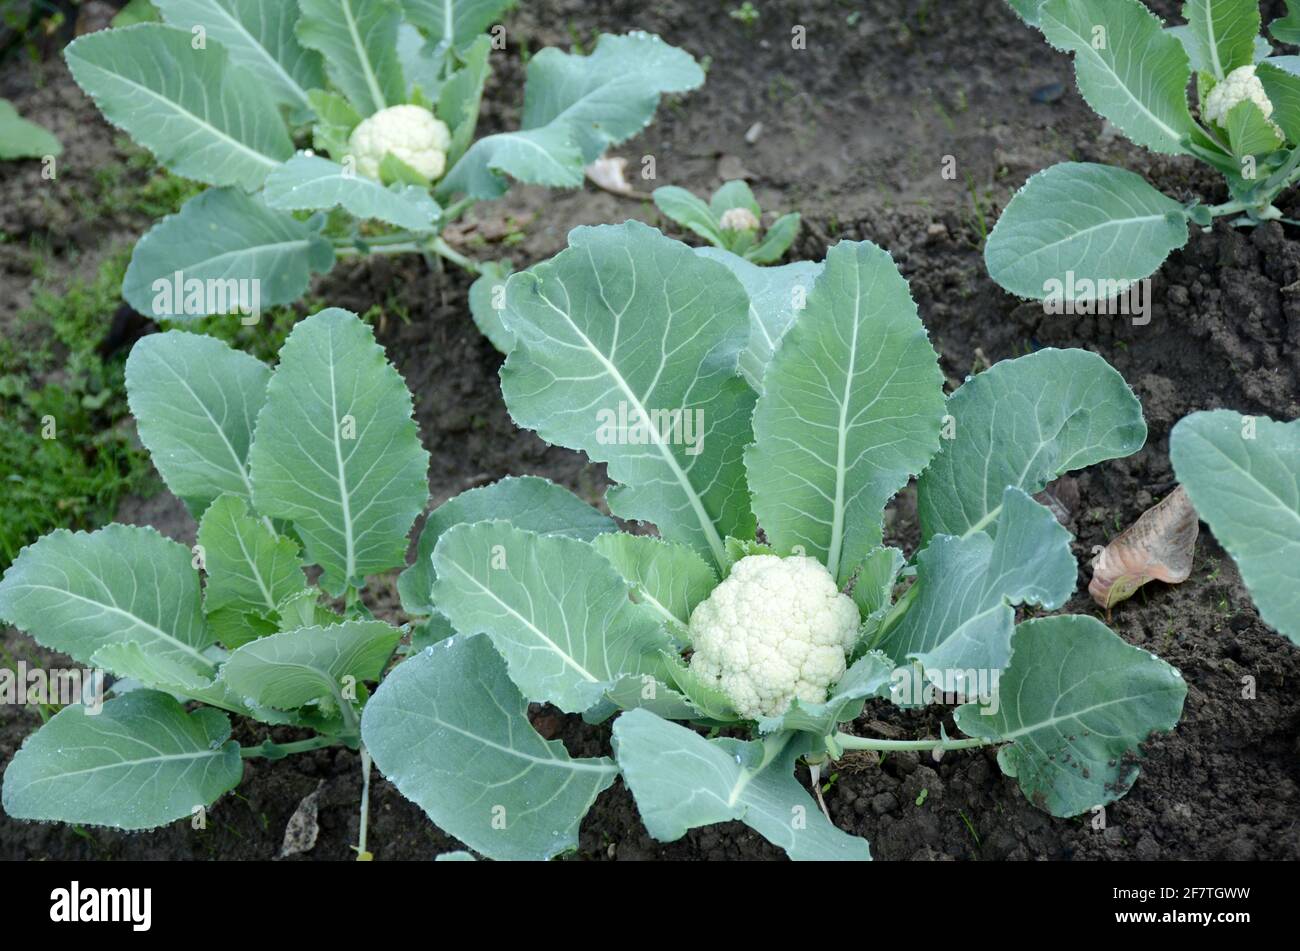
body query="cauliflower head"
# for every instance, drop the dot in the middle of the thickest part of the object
(1238, 86)
(738, 219)
(411, 133)
(777, 629)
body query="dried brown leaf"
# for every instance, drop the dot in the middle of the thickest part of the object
(1157, 547)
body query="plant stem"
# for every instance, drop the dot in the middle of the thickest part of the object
(269, 750)
(1227, 208)
(362, 854)
(439, 246)
(871, 743)
(407, 248)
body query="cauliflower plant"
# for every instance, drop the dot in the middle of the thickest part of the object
(411, 133)
(1238, 86)
(777, 629)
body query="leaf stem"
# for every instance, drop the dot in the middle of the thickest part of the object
(872, 743)
(273, 751)
(363, 855)
(439, 246)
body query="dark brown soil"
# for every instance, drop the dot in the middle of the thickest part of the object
(855, 129)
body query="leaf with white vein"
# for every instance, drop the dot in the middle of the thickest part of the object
(777, 295)
(260, 38)
(1023, 423)
(1080, 231)
(249, 567)
(336, 450)
(1223, 32)
(195, 401)
(1243, 475)
(682, 781)
(451, 732)
(555, 608)
(1072, 707)
(545, 156)
(139, 763)
(456, 22)
(610, 95)
(358, 40)
(526, 502)
(968, 587)
(627, 325)
(200, 116)
(670, 578)
(76, 592)
(1137, 78)
(851, 408)
(311, 182)
(241, 255)
(295, 668)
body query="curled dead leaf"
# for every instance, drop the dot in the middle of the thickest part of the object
(300, 834)
(1157, 547)
(610, 173)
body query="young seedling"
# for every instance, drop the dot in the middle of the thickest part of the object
(1243, 475)
(628, 346)
(1081, 231)
(316, 462)
(360, 112)
(730, 221)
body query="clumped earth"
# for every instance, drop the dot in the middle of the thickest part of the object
(855, 130)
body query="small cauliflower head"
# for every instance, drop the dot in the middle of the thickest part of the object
(777, 629)
(1240, 85)
(411, 133)
(738, 219)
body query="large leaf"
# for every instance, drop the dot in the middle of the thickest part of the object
(555, 608)
(311, 182)
(851, 408)
(777, 295)
(487, 300)
(78, 592)
(337, 452)
(1027, 10)
(295, 668)
(455, 22)
(1243, 476)
(195, 402)
(260, 38)
(1224, 32)
(460, 98)
(682, 781)
(22, 139)
(1128, 68)
(230, 253)
(1023, 423)
(545, 156)
(1073, 706)
(968, 588)
(670, 578)
(526, 502)
(250, 569)
(610, 95)
(451, 732)
(689, 211)
(1286, 29)
(140, 762)
(198, 115)
(358, 40)
(1280, 76)
(626, 348)
(1249, 132)
(1079, 231)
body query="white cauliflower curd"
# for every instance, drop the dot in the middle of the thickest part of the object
(1238, 86)
(777, 629)
(411, 133)
(738, 219)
